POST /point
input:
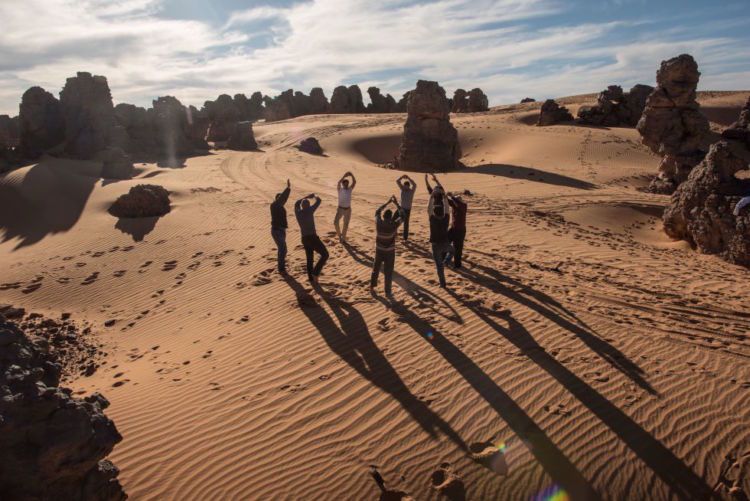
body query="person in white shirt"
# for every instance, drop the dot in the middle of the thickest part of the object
(407, 186)
(345, 204)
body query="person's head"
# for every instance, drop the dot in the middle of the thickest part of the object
(278, 195)
(407, 185)
(305, 203)
(388, 215)
(345, 183)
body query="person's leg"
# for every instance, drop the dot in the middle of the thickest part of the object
(376, 269)
(389, 261)
(347, 217)
(279, 236)
(336, 222)
(437, 255)
(309, 257)
(447, 252)
(320, 248)
(407, 215)
(458, 247)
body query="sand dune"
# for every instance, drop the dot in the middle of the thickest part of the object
(579, 349)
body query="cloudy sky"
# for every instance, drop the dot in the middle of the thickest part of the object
(197, 49)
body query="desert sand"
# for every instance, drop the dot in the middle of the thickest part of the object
(580, 351)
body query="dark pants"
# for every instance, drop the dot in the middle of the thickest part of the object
(388, 260)
(407, 215)
(457, 238)
(312, 243)
(441, 253)
(279, 236)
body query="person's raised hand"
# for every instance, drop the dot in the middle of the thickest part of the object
(288, 183)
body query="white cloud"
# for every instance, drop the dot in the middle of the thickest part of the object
(495, 44)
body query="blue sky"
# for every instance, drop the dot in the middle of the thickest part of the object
(196, 50)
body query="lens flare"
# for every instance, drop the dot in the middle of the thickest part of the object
(429, 335)
(552, 493)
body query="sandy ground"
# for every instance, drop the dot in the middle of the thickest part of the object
(580, 348)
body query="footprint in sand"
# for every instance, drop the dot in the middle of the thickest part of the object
(169, 266)
(263, 278)
(119, 273)
(447, 483)
(387, 494)
(490, 456)
(91, 278)
(31, 288)
(11, 285)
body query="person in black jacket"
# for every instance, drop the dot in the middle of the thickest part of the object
(279, 226)
(437, 209)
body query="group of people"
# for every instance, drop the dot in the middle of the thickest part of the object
(447, 214)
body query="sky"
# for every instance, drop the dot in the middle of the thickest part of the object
(196, 50)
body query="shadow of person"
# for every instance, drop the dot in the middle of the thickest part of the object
(683, 481)
(350, 339)
(137, 228)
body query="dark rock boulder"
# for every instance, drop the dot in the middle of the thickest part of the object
(356, 102)
(223, 114)
(89, 114)
(615, 108)
(256, 106)
(429, 142)
(171, 127)
(528, 100)
(52, 445)
(460, 101)
(378, 102)
(311, 145)
(672, 124)
(340, 100)
(242, 138)
(478, 101)
(41, 123)
(197, 131)
(139, 129)
(9, 133)
(278, 108)
(552, 113)
(143, 200)
(402, 103)
(318, 101)
(242, 103)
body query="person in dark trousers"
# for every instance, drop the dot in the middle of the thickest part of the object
(279, 225)
(310, 240)
(386, 226)
(408, 187)
(437, 208)
(457, 230)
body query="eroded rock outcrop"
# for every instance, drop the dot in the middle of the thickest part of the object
(702, 209)
(9, 139)
(143, 200)
(139, 129)
(116, 164)
(89, 115)
(318, 101)
(171, 127)
(552, 113)
(672, 124)
(279, 107)
(429, 142)
(198, 123)
(460, 101)
(223, 114)
(615, 108)
(41, 123)
(311, 145)
(528, 100)
(347, 100)
(477, 101)
(242, 138)
(52, 446)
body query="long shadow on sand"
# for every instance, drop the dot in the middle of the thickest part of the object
(554, 462)
(683, 481)
(350, 339)
(531, 174)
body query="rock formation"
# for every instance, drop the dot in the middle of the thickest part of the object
(355, 99)
(552, 113)
(615, 108)
(89, 115)
(378, 102)
(198, 123)
(402, 103)
(223, 114)
(429, 142)
(171, 127)
(256, 106)
(41, 123)
(318, 101)
(116, 164)
(242, 138)
(460, 101)
(311, 145)
(52, 446)
(244, 107)
(672, 124)
(702, 208)
(139, 128)
(8, 132)
(143, 200)
(347, 100)
(478, 101)
(528, 100)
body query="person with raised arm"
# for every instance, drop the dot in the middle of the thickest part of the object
(386, 227)
(437, 209)
(344, 210)
(457, 230)
(279, 225)
(310, 240)
(408, 187)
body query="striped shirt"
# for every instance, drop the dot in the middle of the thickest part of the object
(386, 233)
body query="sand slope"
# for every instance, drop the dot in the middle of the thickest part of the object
(598, 356)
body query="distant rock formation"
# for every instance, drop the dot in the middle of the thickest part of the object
(143, 200)
(41, 123)
(279, 107)
(528, 100)
(460, 101)
(89, 115)
(347, 100)
(139, 128)
(223, 114)
(242, 138)
(318, 101)
(403, 102)
(9, 139)
(702, 208)
(429, 142)
(52, 445)
(311, 145)
(615, 108)
(672, 124)
(552, 113)
(355, 99)
(478, 101)
(198, 123)
(116, 164)
(171, 126)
